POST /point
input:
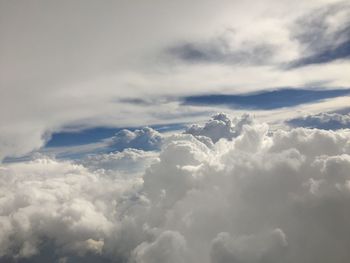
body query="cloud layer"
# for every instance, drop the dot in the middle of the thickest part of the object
(125, 64)
(262, 196)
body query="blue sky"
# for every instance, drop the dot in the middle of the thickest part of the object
(267, 100)
(97, 134)
(264, 100)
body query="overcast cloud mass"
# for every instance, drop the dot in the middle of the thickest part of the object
(174, 131)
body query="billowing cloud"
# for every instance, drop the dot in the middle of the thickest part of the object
(258, 195)
(146, 139)
(220, 126)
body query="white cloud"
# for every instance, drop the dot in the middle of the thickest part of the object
(146, 139)
(262, 196)
(220, 126)
(325, 120)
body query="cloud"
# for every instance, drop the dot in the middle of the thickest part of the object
(328, 121)
(169, 247)
(266, 247)
(324, 35)
(224, 50)
(127, 161)
(262, 195)
(339, 52)
(146, 139)
(220, 126)
(228, 190)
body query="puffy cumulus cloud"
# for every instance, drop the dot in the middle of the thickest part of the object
(328, 121)
(47, 201)
(146, 139)
(312, 142)
(262, 195)
(220, 126)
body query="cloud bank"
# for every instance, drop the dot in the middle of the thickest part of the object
(254, 195)
(328, 121)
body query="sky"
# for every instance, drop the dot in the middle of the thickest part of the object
(174, 131)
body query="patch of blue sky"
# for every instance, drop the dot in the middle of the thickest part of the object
(93, 135)
(266, 100)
